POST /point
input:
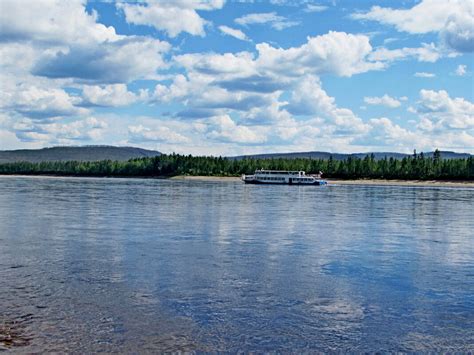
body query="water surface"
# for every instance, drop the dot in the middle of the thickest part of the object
(140, 264)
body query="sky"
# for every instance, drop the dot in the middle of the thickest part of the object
(226, 78)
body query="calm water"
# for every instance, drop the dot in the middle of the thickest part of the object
(127, 265)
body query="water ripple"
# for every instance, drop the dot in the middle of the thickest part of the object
(128, 265)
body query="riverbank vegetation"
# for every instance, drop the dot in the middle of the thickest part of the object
(415, 167)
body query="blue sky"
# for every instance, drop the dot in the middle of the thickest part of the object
(238, 77)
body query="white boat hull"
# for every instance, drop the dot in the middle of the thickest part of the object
(251, 179)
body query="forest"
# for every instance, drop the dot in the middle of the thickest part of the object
(414, 167)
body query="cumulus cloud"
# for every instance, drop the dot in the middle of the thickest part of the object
(385, 133)
(139, 134)
(308, 98)
(51, 22)
(111, 62)
(108, 95)
(425, 53)
(452, 19)
(384, 100)
(58, 39)
(274, 69)
(223, 128)
(171, 16)
(244, 81)
(339, 53)
(218, 98)
(233, 33)
(461, 70)
(277, 22)
(424, 75)
(16, 59)
(179, 89)
(88, 129)
(219, 83)
(41, 103)
(272, 113)
(438, 111)
(224, 65)
(190, 92)
(458, 32)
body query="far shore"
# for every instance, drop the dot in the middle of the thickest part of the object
(447, 183)
(368, 182)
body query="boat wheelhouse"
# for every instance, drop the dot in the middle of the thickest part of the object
(283, 177)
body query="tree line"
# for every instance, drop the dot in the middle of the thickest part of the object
(415, 167)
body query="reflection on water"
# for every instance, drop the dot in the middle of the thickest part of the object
(122, 264)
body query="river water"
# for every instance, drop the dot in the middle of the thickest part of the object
(133, 265)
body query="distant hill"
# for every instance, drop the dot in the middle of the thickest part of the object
(342, 156)
(83, 153)
(95, 153)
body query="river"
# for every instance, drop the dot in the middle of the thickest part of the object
(132, 265)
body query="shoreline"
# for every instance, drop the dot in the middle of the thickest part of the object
(331, 181)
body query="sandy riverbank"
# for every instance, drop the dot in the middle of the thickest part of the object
(440, 183)
(206, 178)
(349, 182)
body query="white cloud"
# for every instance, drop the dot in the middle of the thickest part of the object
(273, 69)
(258, 18)
(108, 95)
(172, 16)
(461, 70)
(383, 132)
(121, 61)
(424, 75)
(425, 53)
(16, 59)
(438, 111)
(308, 98)
(41, 103)
(458, 32)
(88, 129)
(225, 129)
(212, 131)
(58, 39)
(227, 65)
(52, 22)
(276, 21)
(426, 16)
(315, 8)
(245, 82)
(180, 88)
(268, 114)
(162, 133)
(218, 84)
(452, 19)
(233, 33)
(335, 52)
(384, 100)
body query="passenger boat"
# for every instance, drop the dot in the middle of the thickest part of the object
(283, 177)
